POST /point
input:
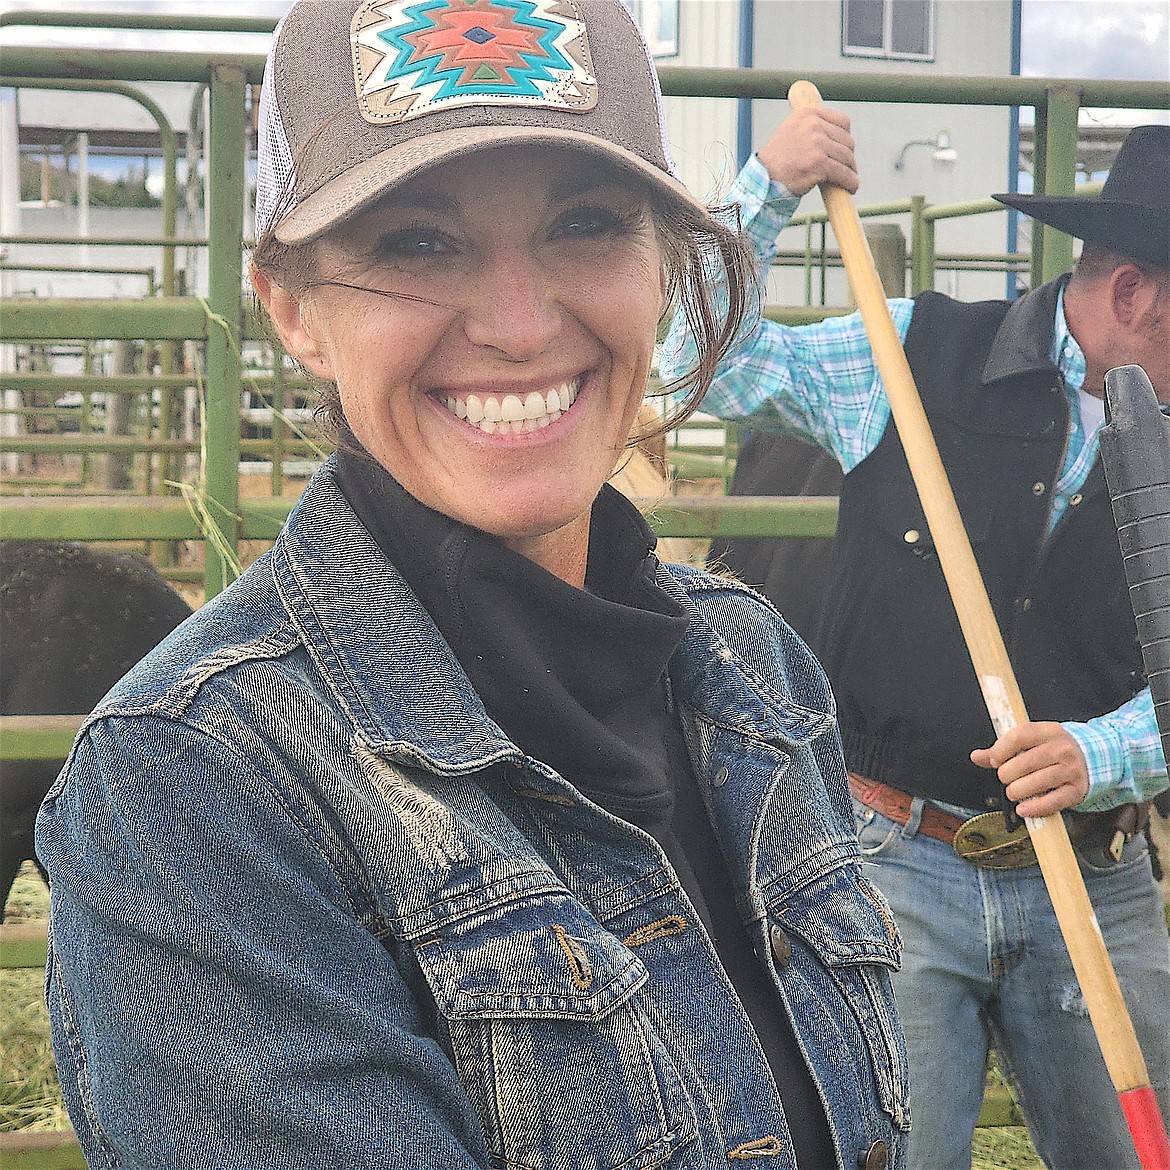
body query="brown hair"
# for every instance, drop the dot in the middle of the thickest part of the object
(1098, 262)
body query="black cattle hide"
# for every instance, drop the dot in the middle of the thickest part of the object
(73, 620)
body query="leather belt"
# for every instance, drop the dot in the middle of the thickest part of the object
(895, 804)
(984, 839)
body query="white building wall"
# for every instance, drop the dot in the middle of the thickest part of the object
(702, 130)
(972, 38)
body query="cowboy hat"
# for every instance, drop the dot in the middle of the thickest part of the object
(1132, 215)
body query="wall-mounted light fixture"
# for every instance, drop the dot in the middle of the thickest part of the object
(943, 151)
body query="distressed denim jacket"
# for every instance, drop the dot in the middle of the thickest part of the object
(311, 908)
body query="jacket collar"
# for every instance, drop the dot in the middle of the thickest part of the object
(374, 643)
(399, 682)
(1024, 337)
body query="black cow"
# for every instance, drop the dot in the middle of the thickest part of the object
(790, 571)
(73, 620)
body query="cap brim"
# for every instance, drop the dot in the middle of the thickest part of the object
(367, 182)
(1132, 229)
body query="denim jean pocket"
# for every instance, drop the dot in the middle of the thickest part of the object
(562, 1066)
(875, 833)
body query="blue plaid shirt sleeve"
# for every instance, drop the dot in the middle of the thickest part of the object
(1123, 751)
(816, 381)
(821, 382)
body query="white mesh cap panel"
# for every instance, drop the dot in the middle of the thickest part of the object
(275, 177)
(670, 163)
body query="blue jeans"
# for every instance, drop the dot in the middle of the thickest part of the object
(984, 962)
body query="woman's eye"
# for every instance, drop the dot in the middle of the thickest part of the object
(587, 222)
(412, 243)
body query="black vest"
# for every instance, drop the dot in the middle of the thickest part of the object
(909, 703)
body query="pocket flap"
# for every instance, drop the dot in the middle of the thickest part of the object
(540, 957)
(844, 918)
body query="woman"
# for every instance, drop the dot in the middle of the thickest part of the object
(459, 832)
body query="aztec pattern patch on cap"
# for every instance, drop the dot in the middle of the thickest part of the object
(413, 57)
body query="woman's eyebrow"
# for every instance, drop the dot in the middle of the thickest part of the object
(582, 183)
(424, 200)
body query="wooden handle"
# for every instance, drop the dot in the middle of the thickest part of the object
(997, 680)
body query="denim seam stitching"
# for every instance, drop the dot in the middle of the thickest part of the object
(77, 1050)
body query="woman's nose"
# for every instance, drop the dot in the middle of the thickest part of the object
(512, 307)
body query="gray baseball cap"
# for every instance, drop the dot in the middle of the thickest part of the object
(361, 96)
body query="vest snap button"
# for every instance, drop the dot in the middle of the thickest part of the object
(1038, 488)
(911, 536)
(877, 1157)
(781, 946)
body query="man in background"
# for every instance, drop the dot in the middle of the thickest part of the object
(1014, 393)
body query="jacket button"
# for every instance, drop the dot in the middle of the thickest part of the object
(877, 1157)
(720, 778)
(1038, 488)
(911, 536)
(781, 946)
(1075, 500)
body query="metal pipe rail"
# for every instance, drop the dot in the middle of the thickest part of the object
(138, 21)
(112, 518)
(167, 135)
(39, 381)
(95, 443)
(110, 241)
(220, 322)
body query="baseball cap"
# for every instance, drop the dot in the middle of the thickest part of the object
(360, 96)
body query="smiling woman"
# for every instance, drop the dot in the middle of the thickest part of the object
(461, 832)
(490, 329)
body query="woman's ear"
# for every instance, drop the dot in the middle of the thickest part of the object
(293, 324)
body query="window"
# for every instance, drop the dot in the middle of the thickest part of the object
(888, 28)
(658, 20)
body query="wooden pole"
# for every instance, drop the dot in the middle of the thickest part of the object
(1001, 693)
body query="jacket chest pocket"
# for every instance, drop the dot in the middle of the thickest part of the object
(563, 1068)
(848, 925)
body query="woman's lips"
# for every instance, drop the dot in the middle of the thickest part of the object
(511, 414)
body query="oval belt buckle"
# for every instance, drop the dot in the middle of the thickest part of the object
(986, 841)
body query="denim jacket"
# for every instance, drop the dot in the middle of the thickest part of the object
(311, 908)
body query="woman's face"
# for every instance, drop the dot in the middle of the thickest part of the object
(504, 392)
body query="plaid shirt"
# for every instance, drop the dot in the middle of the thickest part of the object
(821, 382)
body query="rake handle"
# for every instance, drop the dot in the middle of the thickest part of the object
(1005, 704)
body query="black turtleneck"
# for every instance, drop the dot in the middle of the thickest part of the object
(579, 679)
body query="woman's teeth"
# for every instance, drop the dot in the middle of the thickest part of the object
(511, 414)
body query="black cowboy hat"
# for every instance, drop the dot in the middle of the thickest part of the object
(1132, 216)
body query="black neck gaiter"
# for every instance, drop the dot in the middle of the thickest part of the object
(576, 678)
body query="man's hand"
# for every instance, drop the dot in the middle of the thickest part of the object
(809, 147)
(1040, 766)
